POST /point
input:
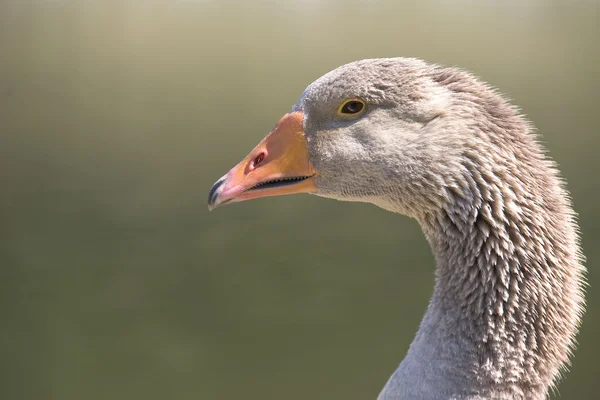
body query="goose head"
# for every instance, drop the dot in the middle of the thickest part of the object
(377, 131)
(440, 146)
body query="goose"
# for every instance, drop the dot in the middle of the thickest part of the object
(438, 145)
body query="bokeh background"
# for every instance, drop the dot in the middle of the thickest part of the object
(117, 116)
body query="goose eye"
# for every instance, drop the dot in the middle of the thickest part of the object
(351, 107)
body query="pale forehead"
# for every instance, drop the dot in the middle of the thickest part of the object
(374, 80)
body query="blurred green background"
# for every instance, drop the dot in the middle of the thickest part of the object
(117, 117)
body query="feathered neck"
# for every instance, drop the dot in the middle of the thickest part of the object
(508, 293)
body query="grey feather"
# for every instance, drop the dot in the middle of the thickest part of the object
(442, 147)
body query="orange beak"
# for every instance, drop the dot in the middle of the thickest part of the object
(278, 165)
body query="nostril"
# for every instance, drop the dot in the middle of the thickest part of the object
(258, 160)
